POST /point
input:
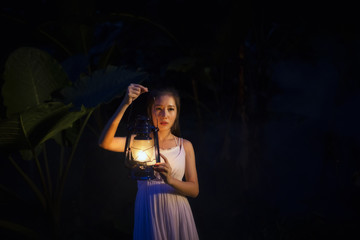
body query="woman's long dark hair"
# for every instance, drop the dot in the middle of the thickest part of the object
(175, 129)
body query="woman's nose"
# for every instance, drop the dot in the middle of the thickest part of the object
(163, 113)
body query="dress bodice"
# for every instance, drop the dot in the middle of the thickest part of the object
(176, 158)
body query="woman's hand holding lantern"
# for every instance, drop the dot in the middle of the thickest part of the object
(164, 169)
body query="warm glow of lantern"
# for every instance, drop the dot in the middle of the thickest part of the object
(143, 151)
(141, 156)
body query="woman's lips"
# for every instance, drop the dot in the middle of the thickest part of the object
(164, 123)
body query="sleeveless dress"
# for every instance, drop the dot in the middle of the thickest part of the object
(160, 212)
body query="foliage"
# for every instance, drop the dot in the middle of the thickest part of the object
(30, 75)
(43, 104)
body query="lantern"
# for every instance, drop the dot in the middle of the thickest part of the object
(142, 149)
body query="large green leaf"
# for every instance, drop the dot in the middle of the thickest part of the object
(11, 135)
(30, 75)
(38, 124)
(65, 122)
(102, 86)
(47, 120)
(67, 137)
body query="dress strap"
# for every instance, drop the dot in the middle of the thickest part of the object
(177, 140)
(181, 142)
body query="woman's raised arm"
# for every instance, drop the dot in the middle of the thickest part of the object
(107, 138)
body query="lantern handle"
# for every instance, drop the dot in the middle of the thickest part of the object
(130, 108)
(156, 140)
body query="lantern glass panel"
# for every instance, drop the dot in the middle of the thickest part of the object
(143, 151)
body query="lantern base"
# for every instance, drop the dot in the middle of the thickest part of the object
(142, 172)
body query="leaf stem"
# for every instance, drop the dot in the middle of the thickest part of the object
(47, 170)
(36, 159)
(66, 171)
(32, 185)
(55, 41)
(61, 164)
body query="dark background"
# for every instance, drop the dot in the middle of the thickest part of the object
(270, 96)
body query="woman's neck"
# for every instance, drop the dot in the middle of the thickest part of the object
(163, 135)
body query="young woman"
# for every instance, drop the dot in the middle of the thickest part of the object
(162, 210)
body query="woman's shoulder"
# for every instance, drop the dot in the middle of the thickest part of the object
(188, 149)
(187, 144)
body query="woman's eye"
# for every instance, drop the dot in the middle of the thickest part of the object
(171, 109)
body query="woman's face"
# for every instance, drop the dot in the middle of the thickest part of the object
(164, 112)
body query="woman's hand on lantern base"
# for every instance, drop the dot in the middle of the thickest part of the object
(164, 169)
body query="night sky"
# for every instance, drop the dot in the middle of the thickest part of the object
(270, 96)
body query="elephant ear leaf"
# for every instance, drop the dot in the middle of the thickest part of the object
(37, 125)
(11, 135)
(47, 120)
(102, 86)
(30, 76)
(65, 121)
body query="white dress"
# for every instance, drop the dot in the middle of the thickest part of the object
(160, 212)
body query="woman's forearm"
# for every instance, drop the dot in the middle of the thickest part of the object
(107, 135)
(107, 138)
(189, 189)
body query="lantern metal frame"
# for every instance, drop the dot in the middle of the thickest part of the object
(142, 129)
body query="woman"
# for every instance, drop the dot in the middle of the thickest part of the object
(162, 210)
